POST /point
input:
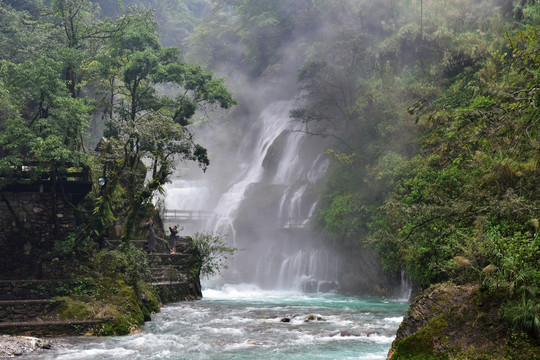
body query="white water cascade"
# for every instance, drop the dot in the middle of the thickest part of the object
(266, 207)
(273, 122)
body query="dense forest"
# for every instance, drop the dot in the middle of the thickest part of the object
(432, 107)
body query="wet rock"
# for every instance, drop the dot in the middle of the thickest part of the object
(368, 333)
(328, 286)
(311, 287)
(11, 346)
(314, 317)
(461, 320)
(285, 320)
(356, 332)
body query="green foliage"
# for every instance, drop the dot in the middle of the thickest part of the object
(42, 121)
(345, 219)
(72, 248)
(72, 308)
(18, 41)
(264, 26)
(211, 254)
(464, 208)
(110, 285)
(138, 268)
(80, 287)
(70, 62)
(516, 260)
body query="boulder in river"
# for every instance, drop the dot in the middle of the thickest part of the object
(313, 317)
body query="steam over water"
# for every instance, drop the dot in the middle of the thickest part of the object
(245, 322)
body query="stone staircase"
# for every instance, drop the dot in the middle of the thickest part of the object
(171, 272)
(27, 307)
(172, 277)
(170, 268)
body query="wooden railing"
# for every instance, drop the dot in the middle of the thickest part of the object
(31, 171)
(186, 215)
(294, 223)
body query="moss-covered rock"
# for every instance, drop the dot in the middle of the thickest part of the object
(122, 310)
(109, 294)
(450, 321)
(73, 308)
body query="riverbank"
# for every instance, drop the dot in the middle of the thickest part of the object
(449, 321)
(11, 346)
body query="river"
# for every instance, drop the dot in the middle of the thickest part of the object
(245, 322)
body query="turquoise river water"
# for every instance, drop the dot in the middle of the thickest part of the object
(245, 322)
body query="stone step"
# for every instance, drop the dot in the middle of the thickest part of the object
(46, 328)
(175, 257)
(183, 246)
(169, 279)
(182, 268)
(168, 259)
(27, 310)
(169, 283)
(33, 289)
(171, 270)
(161, 245)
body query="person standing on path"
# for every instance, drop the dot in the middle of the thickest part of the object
(172, 239)
(150, 236)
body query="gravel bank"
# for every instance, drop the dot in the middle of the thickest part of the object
(11, 346)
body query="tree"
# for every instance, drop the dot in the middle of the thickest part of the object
(21, 36)
(43, 121)
(145, 125)
(121, 64)
(82, 32)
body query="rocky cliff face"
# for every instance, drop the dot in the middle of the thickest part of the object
(450, 321)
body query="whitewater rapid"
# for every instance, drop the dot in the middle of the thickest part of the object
(245, 322)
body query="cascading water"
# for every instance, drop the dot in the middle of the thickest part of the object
(274, 121)
(405, 288)
(267, 205)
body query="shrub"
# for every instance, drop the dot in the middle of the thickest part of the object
(211, 254)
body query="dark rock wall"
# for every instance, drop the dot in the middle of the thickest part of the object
(29, 225)
(27, 310)
(32, 289)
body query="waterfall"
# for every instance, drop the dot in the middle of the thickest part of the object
(312, 271)
(273, 121)
(405, 288)
(266, 205)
